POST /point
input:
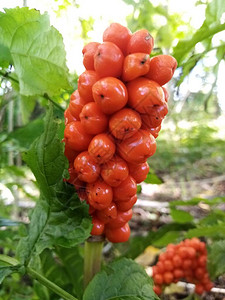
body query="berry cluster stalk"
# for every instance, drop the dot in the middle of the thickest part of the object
(92, 258)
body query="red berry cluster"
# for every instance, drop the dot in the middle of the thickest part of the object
(112, 121)
(186, 260)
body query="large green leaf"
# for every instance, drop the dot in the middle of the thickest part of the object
(53, 269)
(37, 51)
(59, 217)
(216, 261)
(214, 11)
(122, 279)
(46, 158)
(185, 46)
(5, 56)
(27, 105)
(210, 26)
(73, 262)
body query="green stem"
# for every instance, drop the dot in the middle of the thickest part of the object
(49, 284)
(92, 258)
(43, 280)
(9, 260)
(7, 75)
(46, 96)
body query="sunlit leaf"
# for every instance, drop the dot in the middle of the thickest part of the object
(122, 279)
(36, 49)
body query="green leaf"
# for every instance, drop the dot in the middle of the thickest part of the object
(217, 230)
(122, 279)
(6, 271)
(25, 136)
(216, 258)
(37, 51)
(214, 11)
(167, 238)
(184, 47)
(139, 189)
(152, 178)
(181, 216)
(73, 261)
(59, 217)
(53, 269)
(27, 105)
(46, 158)
(196, 201)
(5, 56)
(41, 291)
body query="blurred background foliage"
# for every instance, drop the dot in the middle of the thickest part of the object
(191, 142)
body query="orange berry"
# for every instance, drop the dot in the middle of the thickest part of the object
(157, 289)
(158, 279)
(110, 94)
(118, 235)
(117, 34)
(135, 65)
(85, 82)
(88, 55)
(143, 94)
(86, 167)
(102, 148)
(162, 68)
(168, 277)
(140, 41)
(98, 226)
(138, 147)
(108, 60)
(124, 123)
(93, 119)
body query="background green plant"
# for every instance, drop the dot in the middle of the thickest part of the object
(34, 78)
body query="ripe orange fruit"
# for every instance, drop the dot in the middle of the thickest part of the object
(88, 55)
(118, 235)
(86, 167)
(108, 60)
(76, 104)
(139, 171)
(126, 205)
(143, 94)
(138, 147)
(110, 94)
(124, 123)
(93, 119)
(76, 137)
(100, 194)
(117, 34)
(98, 226)
(102, 148)
(85, 83)
(162, 68)
(114, 171)
(126, 190)
(140, 41)
(135, 65)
